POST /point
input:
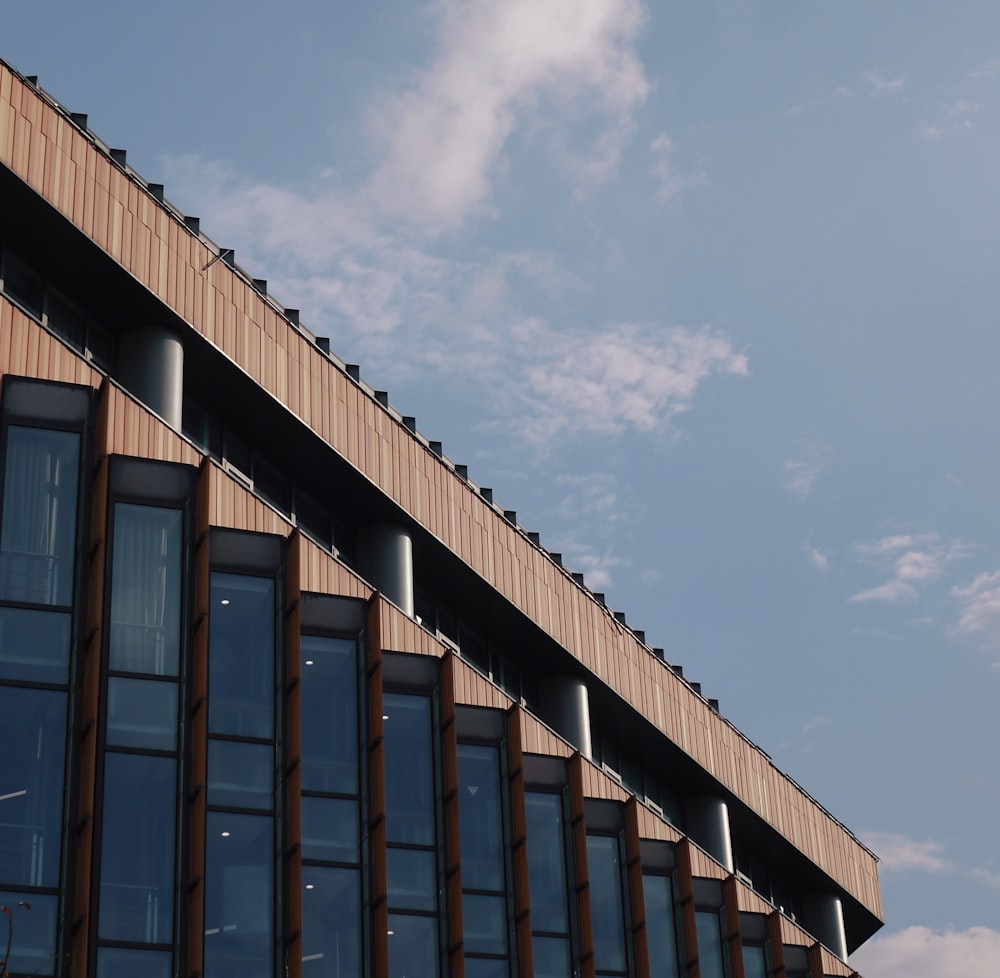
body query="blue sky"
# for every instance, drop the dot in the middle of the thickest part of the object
(706, 291)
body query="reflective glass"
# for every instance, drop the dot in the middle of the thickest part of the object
(661, 934)
(240, 775)
(409, 769)
(127, 962)
(413, 946)
(486, 967)
(38, 526)
(137, 848)
(329, 709)
(480, 817)
(142, 713)
(709, 944)
(330, 829)
(546, 862)
(146, 590)
(33, 951)
(33, 736)
(331, 922)
(239, 896)
(552, 957)
(241, 673)
(34, 645)
(606, 909)
(484, 923)
(412, 879)
(754, 964)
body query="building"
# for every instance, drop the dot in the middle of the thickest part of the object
(284, 692)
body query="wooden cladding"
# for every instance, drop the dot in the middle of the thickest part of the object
(27, 350)
(452, 849)
(518, 842)
(61, 164)
(378, 879)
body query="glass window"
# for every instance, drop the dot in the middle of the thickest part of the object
(661, 933)
(34, 645)
(142, 713)
(330, 829)
(241, 662)
(329, 712)
(552, 957)
(606, 909)
(146, 590)
(23, 284)
(409, 769)
(480, 817)
(413, 945)
(127, 962)
(239, 887)
(487, 968)
(484, 923)
(34, 948)
(240, 775)
(65, 320)
(546, 862)
(412, 879)
(331, 922)
(137, 849)
(33, 735)
(709, 944)
(754, 963)
(38, 527)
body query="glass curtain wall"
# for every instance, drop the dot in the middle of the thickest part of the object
(331, 808)
(411, 836)
(661, 926)
(240, 821)
(607, 906)
(37, 542)
(140, 764)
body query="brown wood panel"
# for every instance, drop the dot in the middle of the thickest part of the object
(689, 927)
(518, 843)
(637, 903)
(378, 886)
(731, 919)
(293, 758)
(776, 944)
(452, 846)
(581, 872)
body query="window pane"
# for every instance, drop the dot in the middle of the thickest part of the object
(239, 896)
(34, 645)
(23, 284)
(38, 526)
(240, 775)
(409, 769)
(480, 817)
(709, 944)
(661, 935)
(412, 879)
(66, 320)
(329, 706)
(330, 829)
(552, 957)
(484, 923)
(126, 962)
(754, 965)
(487, 968)
(413, 946)
(146, 590)
(241, 656)
(137, 848)
(33, 735)
(546, 862)
(34, 950)
(142, 713)
(331, 922)
(606, 909)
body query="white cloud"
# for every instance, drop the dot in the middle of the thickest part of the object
(671, 185)
(955, 117)
(915, 561)
(881, 84)
(919, 952)
(987, 69)
(800, 473)
(815, 723)
(817, 559)
(500, 67)
(980, 607)
(899, 853)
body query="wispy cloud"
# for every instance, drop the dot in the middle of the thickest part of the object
(915, 560)
(988, 69)
(979, 602)
(919, 952)
(956, 116)
(800, 472)
(881, 84)
(671, 185)
(817, 559)
(899, 853)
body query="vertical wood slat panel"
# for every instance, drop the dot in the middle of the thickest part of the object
(689, 926)
(581, 872)
(293, 757)
(731, 905)
(452, 844)
(378, 884)
(637, 903)
(776, 944)
(198, 771)
(519, 847)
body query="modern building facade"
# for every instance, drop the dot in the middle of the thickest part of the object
(284, 693)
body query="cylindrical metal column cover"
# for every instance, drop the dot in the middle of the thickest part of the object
(567, 709)
(825, 915)
(385, 557)
(151, 366)
(708, 822)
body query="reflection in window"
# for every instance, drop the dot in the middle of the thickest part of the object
(137, 852)
(547, 885)
(754, 963)
(34, 951)
(142, 713)
(607, 910)
(329, 715)
(146, 590)
(413, 946)
(331, 922)
(710, 944)
(661, 931)
(127, 962)
(34, 645)
(38, 525)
